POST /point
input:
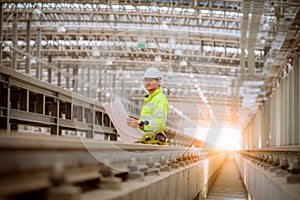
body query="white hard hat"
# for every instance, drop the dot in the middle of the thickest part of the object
(152, 72)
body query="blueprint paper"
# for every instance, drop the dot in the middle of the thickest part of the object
(118, 115)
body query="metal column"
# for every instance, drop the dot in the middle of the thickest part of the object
(59, 74)
(283, 131)
(290, 109)
(49, 69)
(1, 31)
(88, 81)
(82, 80)
(68, 77)
(296, 64)
(75, 80)
(15, 41)
(28, 36)
(38, 54)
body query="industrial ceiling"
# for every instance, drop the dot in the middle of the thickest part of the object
(220, 59)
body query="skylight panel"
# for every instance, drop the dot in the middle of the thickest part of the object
(253, 83)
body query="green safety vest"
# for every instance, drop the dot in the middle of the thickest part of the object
(154, 111)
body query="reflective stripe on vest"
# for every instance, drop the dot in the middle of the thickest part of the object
(154, 110)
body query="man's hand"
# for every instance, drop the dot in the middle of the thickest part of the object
(133, 123)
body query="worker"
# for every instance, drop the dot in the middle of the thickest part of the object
(154, 111)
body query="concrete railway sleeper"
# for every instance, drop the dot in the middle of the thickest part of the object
(38, 167)
(271, 173)
(284, 162)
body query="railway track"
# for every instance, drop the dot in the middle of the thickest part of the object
(34, 166)
(31, 164)
(287, 159)
(271, 173)
(282, 161)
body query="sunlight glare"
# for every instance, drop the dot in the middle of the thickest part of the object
(230, 139)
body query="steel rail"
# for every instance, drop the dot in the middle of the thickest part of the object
(293, 148)
(286, 158)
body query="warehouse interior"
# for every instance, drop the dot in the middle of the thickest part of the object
(230, 70)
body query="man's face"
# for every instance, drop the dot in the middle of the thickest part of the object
(151, 84)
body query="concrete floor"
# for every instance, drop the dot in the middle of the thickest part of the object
(228, 184)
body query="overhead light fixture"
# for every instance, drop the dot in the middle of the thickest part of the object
(183, 63)
(111, 17)
(163, 26)
(61, 29)
(153, 7)
(170, 74)
(33, 61)
(271, 8)
(96, 53)
(171, 40)
(108, 62)
(157, 58)
(232, 70)
(186, 92)
(37, 11)
(266, 26)
(80, 41)
(270, 60)
(6, 49)
(172, 43)
(178, 52)
(141, 39)
(128, 76)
